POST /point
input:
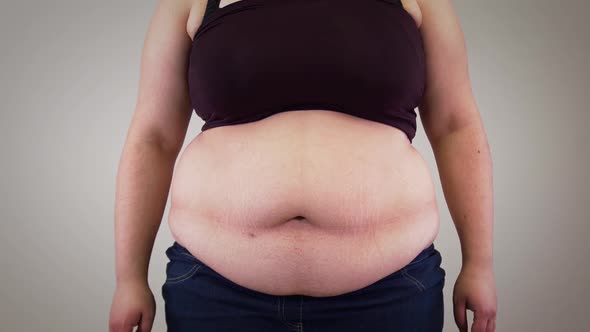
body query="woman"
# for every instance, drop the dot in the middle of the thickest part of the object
(302, 205)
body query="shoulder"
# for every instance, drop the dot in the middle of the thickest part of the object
(434, 12)
(186, 13)
(431, 10)
(441, 31)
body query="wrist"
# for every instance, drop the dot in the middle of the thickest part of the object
(132, 279)
(485, 263)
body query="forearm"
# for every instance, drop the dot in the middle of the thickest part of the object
(142, 185)
(465, 167)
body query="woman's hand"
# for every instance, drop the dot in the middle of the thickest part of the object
(475, 289)
(133, 305)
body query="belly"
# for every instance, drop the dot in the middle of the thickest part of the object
(310, 202)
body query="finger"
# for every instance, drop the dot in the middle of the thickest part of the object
(479, 322)
(125, 325)
(145, 324)
(122, 328)
(491, 325)
(128, 328)
(460, 315)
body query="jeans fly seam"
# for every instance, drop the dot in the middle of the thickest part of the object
(283, 315)
(301, 313)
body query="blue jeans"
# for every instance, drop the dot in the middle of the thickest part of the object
(198, 299)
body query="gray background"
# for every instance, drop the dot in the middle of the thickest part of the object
(68, 87)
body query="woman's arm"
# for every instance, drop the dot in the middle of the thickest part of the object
(465, 168)
(154, 139)
(454, 128)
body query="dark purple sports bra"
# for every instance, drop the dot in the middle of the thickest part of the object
(254, 58)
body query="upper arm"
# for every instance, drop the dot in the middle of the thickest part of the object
(163, 110)
(448, 103)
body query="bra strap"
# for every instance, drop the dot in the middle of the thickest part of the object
(212, 6)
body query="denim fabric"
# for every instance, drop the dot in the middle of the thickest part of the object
(197, 298)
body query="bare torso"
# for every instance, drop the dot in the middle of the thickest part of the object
(311, 202)
(365, 194)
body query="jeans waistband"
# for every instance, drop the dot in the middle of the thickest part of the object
(427, 252)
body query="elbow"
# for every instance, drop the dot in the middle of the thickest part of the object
(440, 124)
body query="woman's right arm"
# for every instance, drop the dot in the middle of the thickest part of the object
(154, 139)
(153, 142)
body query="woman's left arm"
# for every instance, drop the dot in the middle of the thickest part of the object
(455, 131)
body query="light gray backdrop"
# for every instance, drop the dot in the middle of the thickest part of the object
(68, 85)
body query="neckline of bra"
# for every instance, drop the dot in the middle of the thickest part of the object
(218, 12)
